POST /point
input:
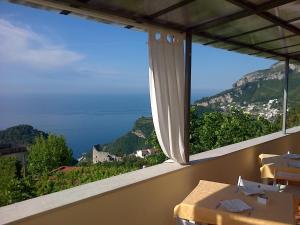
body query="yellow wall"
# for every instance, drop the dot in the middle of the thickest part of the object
(151, 202)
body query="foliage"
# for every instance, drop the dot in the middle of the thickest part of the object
(58, 181)
(47, 154)
(134, 140)
(145, 125)
(21, 134)
(9, 184)
(217, 129)
(153, 142)
(293, 117)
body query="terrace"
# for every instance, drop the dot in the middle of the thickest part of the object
(268, 29)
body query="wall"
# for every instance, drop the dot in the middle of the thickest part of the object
(151, 201)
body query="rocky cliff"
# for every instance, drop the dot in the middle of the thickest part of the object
(256, 92)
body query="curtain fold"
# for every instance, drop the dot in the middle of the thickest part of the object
(167, 91)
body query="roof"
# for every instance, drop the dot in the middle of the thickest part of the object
(65, 169)
(264, 28)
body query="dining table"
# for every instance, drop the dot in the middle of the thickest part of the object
(202, 205)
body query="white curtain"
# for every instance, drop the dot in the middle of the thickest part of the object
(167, 88)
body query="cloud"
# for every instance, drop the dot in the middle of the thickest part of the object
(23, 47)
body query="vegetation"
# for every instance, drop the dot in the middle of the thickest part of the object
(208, 130)
(46, 154)
(20, 135)
(13, 188)
(60, 181)
(134, 140)
(217, 129)
(293, 117)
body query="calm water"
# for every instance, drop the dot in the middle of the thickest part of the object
(84, 120)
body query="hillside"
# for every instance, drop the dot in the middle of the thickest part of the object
(133, 140)
(259, 92)
(20, 135)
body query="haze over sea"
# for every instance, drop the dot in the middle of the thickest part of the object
(84, 120)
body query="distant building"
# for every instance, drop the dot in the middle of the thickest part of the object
(99, 156)
(144, 152)
(18, 151)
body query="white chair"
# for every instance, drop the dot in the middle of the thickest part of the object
(180, 221)
(254, 185)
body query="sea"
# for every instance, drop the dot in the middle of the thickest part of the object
(83, 119)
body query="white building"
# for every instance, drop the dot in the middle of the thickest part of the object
(144, 153)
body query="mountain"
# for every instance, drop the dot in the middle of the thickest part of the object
(259, 92)
(134, 140)
(20, 135)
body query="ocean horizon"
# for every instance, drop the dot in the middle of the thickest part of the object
(83, 119)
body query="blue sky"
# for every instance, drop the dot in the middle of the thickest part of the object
(44, 52)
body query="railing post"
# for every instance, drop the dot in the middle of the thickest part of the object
(187, 95)
(285, 95)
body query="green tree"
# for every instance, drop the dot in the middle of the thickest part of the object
(152, 141)
(9, 182)
(217, 129)
(48, 153)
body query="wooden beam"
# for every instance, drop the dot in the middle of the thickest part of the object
(170, 8)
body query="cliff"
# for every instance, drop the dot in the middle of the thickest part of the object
(258, 87)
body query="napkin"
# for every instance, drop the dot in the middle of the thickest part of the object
(293, 156)
(251, 190)
(235, 205)
(294, 163)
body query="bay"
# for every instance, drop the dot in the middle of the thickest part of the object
(83, 119)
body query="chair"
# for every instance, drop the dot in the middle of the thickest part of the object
(251, 184)
(287, 174)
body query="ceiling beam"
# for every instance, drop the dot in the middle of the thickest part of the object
(170, 9)
(294, 53)
(265, 15)
(239, 15)
(164, 11)
(242, 44)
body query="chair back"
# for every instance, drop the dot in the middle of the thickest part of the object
(251, 184)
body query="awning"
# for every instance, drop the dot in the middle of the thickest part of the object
(264, 28)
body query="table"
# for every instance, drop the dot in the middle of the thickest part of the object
(278, 166)
(201, 206)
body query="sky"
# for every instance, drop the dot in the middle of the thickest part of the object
(45, 52)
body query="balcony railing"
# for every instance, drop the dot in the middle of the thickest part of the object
(148, 196)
